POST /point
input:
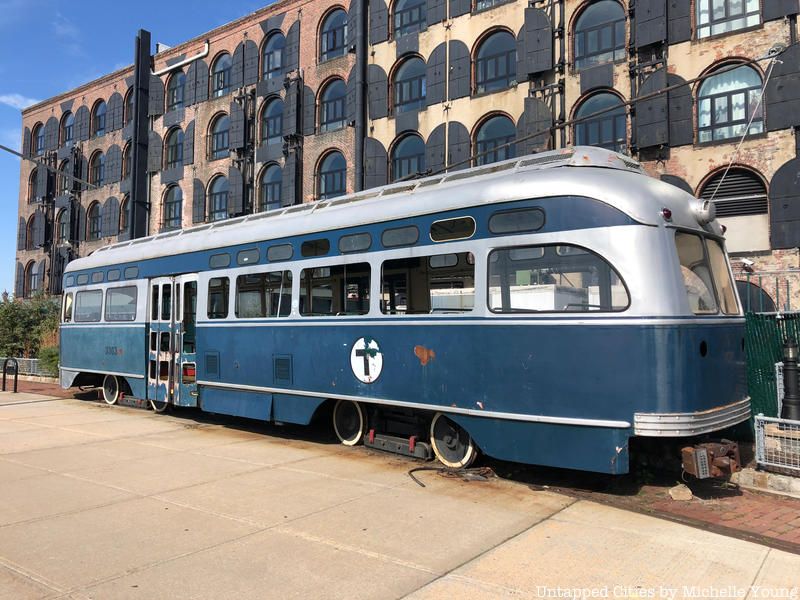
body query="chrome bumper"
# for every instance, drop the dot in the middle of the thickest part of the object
(688, 424)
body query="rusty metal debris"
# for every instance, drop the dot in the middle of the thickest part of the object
(712, 459)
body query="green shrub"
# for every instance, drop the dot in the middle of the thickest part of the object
(48, 359)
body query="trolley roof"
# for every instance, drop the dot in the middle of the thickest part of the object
(604, 175)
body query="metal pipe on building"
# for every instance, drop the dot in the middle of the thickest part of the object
(361, 78)
(140, 190)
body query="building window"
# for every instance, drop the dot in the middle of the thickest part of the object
(62, 227)
(173, 208)
(331, 179)
(408, 157)
(272, 122)
(125, 215)
(30, 233)
(271, 183)
(31, 280)
(38, 139)
(600, 34)
(174, 149)
(739, 192)
(99, 119)
(272, 56)
(33, 182)
(67, 128)
(219, 137)
(221, 76)
(715, 17)
(409, 16)
(331, 112)
(97, 169)
(491, 139)
(606, 130)
(126, 161)
(409, 85)
(496, 62)
(218, 199)
(129, 107)
(64, 179)
(175, 89)
(726, 103)
(333, 35)
(95, 222)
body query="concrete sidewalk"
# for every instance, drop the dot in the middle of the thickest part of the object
(113, 502)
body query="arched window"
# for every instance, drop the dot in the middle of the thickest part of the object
(491, 139)
(741, 192)
(409, 85)
(94, 222)
(409, 16)
(67, 128)
(99, 119)
(272, 122)
(408, 157)
(31, 280)
(32, 185)
(715, 17)
(331, 106)
(37, 139)
(129, 106)
(496, 62)
(174, 149)
(606, 130)
(272, 56)
(271, 182)
(219, 146)
(97, 169)
(64, 179)
(218, 199)
(221, 76)
(333, 35)
(29, 234)
(725, 104)
(173, 208)
(62, 227)
(332, 176)
(600, 34)
(126, 161)
(175, 89)
(124, 214)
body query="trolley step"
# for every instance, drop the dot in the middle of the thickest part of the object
(399, 445)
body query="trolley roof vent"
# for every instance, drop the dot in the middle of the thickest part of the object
(548, 158)
(496, 168)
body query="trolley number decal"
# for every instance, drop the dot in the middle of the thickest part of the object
(366, 360)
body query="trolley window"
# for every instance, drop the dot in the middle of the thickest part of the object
(97, 277)
(121, 304)
(247, 257)
(448, 230)
(696, 273)
(261, 295)
(70, 280)
(281, 252)
(88, 306)
(400, 236)
(553, 279)
(67, 308)
(522, 220)
(219, 261)
(319, 247)
(436, 284)
(218, 298)
(356, 242)
(722, 277)
(83, 279)
(336, 290)
(131, 272)
(114, 275)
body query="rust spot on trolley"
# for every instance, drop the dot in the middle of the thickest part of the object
(425, 355)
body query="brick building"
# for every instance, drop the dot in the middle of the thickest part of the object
(302, 101)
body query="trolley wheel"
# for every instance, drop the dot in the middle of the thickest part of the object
(159, 406)
(451, 444)
(349, 422)
(110, 389)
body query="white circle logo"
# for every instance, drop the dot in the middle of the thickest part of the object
(366, 360)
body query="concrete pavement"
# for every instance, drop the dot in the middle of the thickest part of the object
(112, 502)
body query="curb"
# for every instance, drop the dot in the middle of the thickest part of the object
(773, 483)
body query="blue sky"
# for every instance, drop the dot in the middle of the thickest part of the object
(51, 46)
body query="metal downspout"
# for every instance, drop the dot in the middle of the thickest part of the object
(360, 83)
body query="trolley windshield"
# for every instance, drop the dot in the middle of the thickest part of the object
(706, 275)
